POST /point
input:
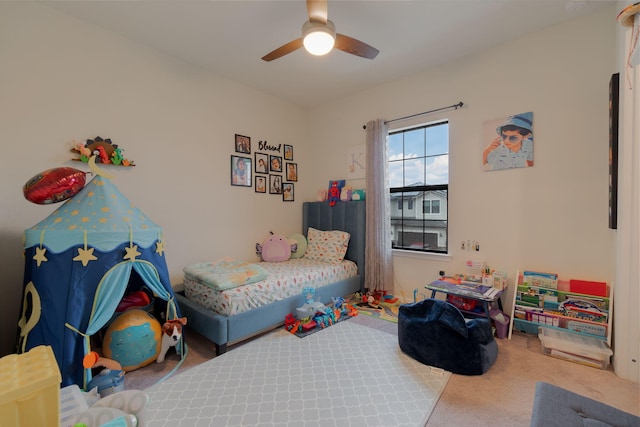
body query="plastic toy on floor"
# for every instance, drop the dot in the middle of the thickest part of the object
(389, 299)
(313, 316)
(371, 300)
(125, 408)
(310, 307)
(108, 381)
(291, 324)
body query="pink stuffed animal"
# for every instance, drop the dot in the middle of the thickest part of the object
(276, 248)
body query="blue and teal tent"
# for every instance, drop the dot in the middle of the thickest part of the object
(79, 262)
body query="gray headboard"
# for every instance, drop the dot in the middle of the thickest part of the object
(345, 216)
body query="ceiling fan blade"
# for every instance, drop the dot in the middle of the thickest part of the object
(355, 47)
(317, 11)
(283, 50)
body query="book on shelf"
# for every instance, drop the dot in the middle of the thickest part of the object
(600, 302)
(583, 310)
(552, 297)
(587, 287)
(540, 280)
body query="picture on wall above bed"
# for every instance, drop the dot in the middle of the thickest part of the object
(275, 184)
(287, 192)
(243, 144)
(292, 172)
(261, 184)
(241, 171)
(262, 160)
(288, 152)
(275, 164)
(507, 142)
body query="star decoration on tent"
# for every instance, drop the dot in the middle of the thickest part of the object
(160, 247)
(39, 256)
(132, 252)
(85, 255)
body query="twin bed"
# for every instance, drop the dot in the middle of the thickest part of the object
(233, 315)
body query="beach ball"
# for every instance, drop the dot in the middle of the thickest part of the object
(133, 339)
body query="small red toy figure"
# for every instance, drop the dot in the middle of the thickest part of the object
(334, 193)
(104, 157)
(291, 323)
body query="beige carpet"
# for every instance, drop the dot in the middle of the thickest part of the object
(501, 397)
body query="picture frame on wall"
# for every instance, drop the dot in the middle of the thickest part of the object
(275, 163)
(614, 100)
(288, 152)
(292, 172)
(262, 163)
(275, 184)
(241, 171)
(243, 144)
(287, 192)
(260, 184)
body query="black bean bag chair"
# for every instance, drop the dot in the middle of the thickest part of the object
(436, 333)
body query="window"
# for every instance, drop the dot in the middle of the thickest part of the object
(431, 206)
(419, 176)
(435, 206)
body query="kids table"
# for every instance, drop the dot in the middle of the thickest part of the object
(485, 295)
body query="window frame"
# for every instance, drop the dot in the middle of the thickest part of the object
(424, 189)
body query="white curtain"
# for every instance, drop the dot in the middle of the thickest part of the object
(378, 262)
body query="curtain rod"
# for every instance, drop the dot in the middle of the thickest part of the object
(456, 106)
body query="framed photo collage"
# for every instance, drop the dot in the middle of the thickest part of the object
(273, 170)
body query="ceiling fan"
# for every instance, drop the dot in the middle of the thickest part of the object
(319, 37)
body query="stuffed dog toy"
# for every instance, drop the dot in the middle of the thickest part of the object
(171, 335)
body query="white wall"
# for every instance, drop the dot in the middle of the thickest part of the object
(550, 217)
(62, 79)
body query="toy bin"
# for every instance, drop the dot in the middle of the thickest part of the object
(72, 403)
(574, 347)
(502, 328)
(30, 389)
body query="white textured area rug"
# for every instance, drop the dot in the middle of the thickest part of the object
(346, 375)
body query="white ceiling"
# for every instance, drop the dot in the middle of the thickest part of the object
(229, 37)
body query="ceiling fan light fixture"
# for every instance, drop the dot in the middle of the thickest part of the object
(318, 39)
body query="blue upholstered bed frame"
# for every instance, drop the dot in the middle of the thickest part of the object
(345, 216)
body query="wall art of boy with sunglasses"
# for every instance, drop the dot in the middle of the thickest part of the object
(513, 148)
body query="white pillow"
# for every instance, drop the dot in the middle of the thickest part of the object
(326, 246)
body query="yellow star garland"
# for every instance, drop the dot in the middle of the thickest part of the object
(85, 255)
(160, 247)
(39, 256)
(132, 252)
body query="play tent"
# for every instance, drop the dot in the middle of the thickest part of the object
(79, 262)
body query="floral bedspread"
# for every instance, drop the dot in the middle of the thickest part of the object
(284, 279)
